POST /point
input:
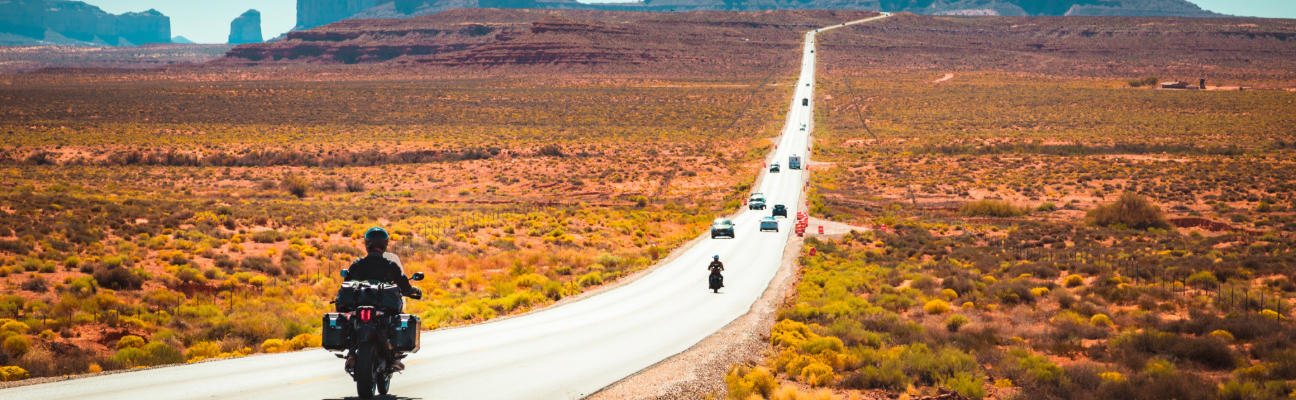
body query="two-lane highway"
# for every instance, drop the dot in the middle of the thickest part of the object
(564, 352)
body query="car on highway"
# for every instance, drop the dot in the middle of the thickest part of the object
(803, 127)
(805, 102)
(774, 167)
(768, 224)
(722, 227)
(779, 209)
(756, 202)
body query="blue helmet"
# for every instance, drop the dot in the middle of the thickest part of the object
(376, 234)
(716, 257)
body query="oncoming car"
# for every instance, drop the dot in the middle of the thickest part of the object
(722, 227)
(756, 202)
(768, 224)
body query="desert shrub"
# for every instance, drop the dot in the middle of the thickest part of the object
(273, 346)
(591, 279)
(968, 385)
(338, 249)
(17, 346)
(991, 208)
(188, 275)
(14, 327)
(743, 382)
(954, 322)
(817, 374)
(261, 264)
(1074, 280)
(1202, 323)
(1012, 292)
(872, 377)
(268, 236)
(1037, 368)
(1222, 334)
(1235, 390)
(35, 283)
(130, 341)
(117, 278)
(1131, 211)
(12, 373)
(225, 263)
(1210, 352)
(304, 341)
(202, 350)
(15, 246)
(936, 307)
(354, 185)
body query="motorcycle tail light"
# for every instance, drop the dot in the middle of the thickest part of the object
(365, 315)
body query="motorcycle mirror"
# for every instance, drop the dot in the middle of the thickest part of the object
(418, 276)
(344, 273)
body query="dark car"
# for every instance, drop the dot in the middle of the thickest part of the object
(774, 167)
(779, 210)
(722, 227)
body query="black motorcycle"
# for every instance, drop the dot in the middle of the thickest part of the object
(717, 281)
(371, 332)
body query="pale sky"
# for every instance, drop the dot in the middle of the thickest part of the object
(208, 22)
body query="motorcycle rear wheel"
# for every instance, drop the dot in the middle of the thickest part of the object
(364, 371)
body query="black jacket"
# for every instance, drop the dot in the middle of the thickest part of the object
(716, 267)
(376, 267)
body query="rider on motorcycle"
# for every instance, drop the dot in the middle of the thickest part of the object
(381, 266)
(716, 267)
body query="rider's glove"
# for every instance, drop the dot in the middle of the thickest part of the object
(416, 294)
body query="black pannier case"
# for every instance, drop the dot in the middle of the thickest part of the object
(336, 329)
(405, 333)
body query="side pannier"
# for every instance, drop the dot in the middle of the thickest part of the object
(405, 333)
(336, 329)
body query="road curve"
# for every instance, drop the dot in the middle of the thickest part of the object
(565, 352)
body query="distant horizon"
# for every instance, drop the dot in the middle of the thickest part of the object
(209, 23)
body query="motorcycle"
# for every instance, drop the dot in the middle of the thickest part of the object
(371, 333)
(717, 282)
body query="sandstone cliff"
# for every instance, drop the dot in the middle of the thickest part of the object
(534, 40)
(75, 22)
(246, 28)
(313, 13)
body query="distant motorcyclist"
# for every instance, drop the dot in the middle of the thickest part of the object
(384, 267)
(716, 266)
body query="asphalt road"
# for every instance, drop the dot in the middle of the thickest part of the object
(565, 352)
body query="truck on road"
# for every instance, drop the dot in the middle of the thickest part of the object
(794, 162)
